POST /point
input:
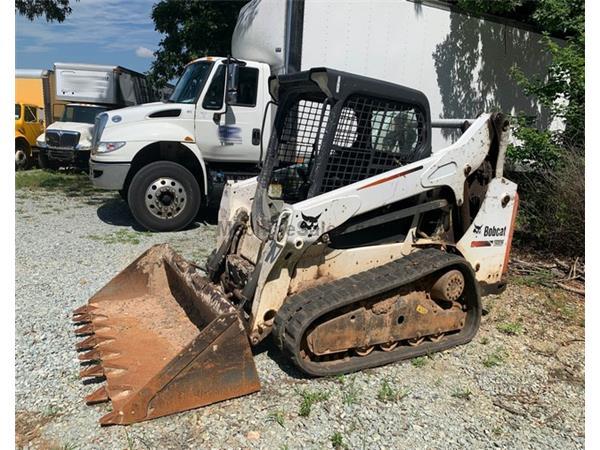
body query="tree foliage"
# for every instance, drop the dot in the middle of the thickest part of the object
(191, 29)
(51, 10)
(553, 195)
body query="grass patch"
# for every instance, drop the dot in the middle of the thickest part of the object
(278, 417)
(510, 328)
(539, 277)
(387, 393)
(337, 441)
(495, 358)
(71, 182)
(464, 394)
(308, 401)
(120, 237)
(485, 340)
(419, 361)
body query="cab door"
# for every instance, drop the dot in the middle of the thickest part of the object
(32, 123)
(231, 133)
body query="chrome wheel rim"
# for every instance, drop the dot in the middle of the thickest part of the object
(165, 198)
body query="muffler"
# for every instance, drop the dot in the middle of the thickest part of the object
(165, 339)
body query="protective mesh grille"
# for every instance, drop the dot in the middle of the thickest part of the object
(300, 138)
(372, 136)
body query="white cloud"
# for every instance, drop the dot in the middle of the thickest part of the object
(109, 24)
(144, 52)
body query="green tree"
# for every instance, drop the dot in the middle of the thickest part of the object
(52, 10)
(191, 29)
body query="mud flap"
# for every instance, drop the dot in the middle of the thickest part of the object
(165, 339)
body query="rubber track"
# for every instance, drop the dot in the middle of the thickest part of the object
(299, 311)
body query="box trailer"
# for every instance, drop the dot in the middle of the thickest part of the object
(83, 91)
(214, 126)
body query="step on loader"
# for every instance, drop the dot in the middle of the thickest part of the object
(356, 246)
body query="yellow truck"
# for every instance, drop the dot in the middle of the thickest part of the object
(29, 114)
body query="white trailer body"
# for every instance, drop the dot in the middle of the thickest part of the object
(461, 63)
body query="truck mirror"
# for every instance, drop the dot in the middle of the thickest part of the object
(231, 92)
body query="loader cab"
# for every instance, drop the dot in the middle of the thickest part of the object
(333, 129)
(229, 97)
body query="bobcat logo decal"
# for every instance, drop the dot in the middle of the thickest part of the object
(310, 223)
(477, 229)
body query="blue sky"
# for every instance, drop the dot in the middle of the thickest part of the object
(115, 32)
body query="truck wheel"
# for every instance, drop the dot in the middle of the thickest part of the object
(164, 196)
(46, 163)
(22, 156)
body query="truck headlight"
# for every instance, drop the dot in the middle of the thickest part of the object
(87, 146)
(105, 147)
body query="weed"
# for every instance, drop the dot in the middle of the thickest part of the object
(277, 416)
(340, 378)
(129, 440)
(495, 359)
(309, 399)
(419, 361)
(387, 393)
(485, 340)
(464, 394)
(51, 411)
(510, 328)
(337, 441)
(67, 446)
(350, 396)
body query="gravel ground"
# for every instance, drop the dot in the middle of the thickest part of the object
(519, 384)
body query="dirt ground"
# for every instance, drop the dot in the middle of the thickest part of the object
(519, 384)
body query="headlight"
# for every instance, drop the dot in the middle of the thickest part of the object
(105, 147)
(87, 146)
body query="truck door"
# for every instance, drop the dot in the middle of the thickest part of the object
(32, 123)
(233, 135)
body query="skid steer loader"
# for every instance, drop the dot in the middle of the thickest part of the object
(356, 246)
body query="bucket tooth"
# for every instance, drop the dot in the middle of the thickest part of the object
(85, 309)
(92, 371)
(98, 396)
(92, 355)
(85, 330)
(112, 418)
(87, 344)
(81, 318)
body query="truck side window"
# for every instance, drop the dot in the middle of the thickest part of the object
(214, 95)
(17, 111)
(247, 87)
(30, 114)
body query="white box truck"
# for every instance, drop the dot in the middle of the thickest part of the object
(168, 159)
(84, 91)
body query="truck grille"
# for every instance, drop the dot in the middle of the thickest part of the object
(61, 154)
(99, 125)
(62, 139)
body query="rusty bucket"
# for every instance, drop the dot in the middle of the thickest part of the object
(164, 339)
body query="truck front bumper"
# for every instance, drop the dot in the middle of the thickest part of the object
(108, 175)
(67, 156)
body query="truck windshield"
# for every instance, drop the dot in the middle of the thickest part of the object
(191, 82)
(81, 114)
(17, 111)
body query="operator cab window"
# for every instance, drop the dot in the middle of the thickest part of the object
(17, 111)
(247, 89)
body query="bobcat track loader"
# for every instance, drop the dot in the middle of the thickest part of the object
(356, 246)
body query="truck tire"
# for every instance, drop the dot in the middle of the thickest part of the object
(22, 156)
(164, 196)
(46, 163)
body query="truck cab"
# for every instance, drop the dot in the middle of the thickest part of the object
(29, 123)
(169, 158)
(68, 141)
